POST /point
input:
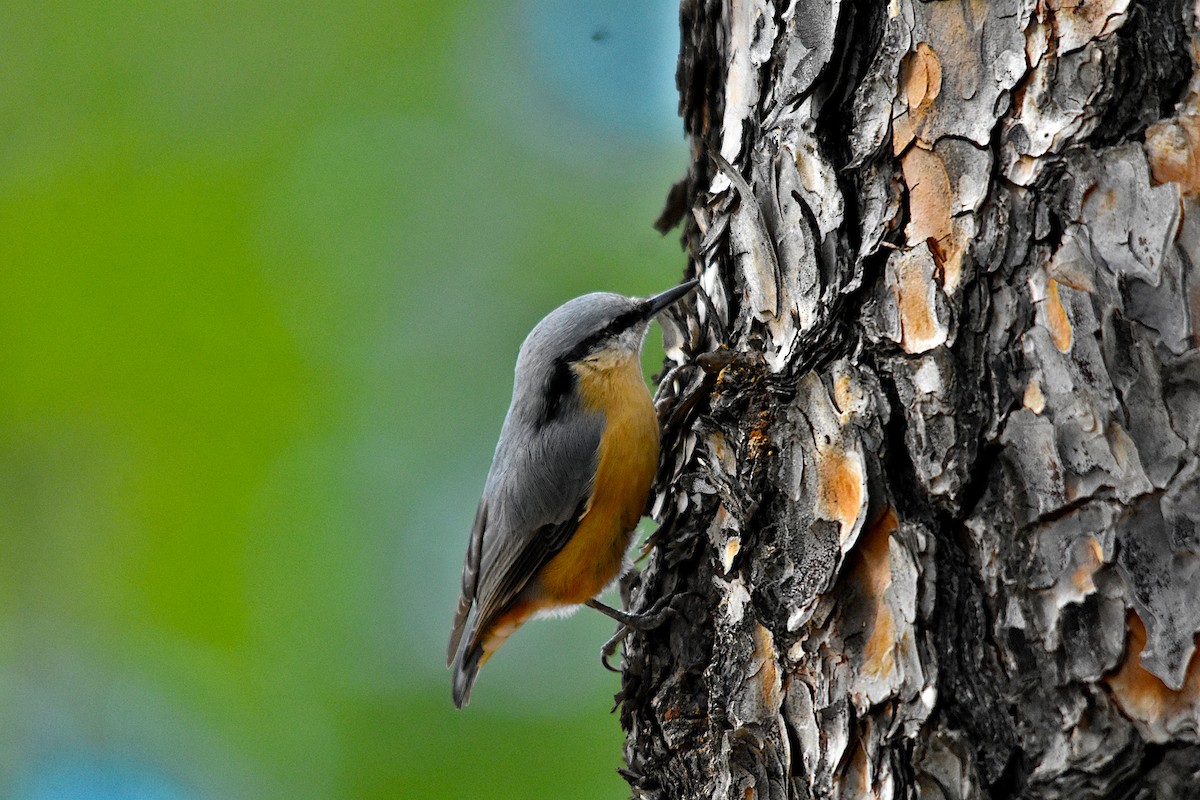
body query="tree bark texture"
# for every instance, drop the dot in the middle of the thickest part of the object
(930, 492)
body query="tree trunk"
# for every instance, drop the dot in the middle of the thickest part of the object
(930, 492)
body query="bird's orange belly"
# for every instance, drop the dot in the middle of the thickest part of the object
(628, 456)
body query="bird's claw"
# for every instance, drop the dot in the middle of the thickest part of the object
(609, 648)
(652, 618)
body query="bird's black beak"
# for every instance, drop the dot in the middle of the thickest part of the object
(660, 301)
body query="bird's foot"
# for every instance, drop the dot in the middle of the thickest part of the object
(655, 616)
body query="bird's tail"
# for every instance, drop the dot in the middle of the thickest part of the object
(458, 627)
(466, 666)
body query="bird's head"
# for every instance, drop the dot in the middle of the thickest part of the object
(597, 331)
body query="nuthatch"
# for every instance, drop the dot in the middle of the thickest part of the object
(570, 477)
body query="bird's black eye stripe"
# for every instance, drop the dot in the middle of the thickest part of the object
(619, 324)
(557, 388)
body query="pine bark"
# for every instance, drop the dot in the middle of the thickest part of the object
(930, 491)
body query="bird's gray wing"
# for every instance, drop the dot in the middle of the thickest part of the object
(536, 492)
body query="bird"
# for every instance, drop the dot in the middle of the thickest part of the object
(569, 480)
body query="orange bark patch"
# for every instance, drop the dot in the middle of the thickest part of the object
(910, 276)
(732, 547)
(1173, 149)
(1057, 321)
(929, 195)
(918, 320)
(920, 84)
(869, 571)
(879, 656)
(921, 76)
(1034, 400)
(840, 489)
(1143, 697)
(843, 395)
(930, 205)
(768, 673)
(872, 565)
(1093, 559)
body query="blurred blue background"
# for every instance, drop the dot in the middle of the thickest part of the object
(264, 269)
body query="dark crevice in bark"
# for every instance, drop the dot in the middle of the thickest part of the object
(1166, 772)
(1054, 233)
(973, 684)
(1150, 73)
(1152, 756)
(979, 477)
(970, 358)
(907, 493)
(901, 757)
(1012, 780)
(971, 697)
(861, 30)
(973, 357)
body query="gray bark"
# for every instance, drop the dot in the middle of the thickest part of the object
(930, 494)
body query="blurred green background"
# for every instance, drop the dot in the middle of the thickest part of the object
(264, 268)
